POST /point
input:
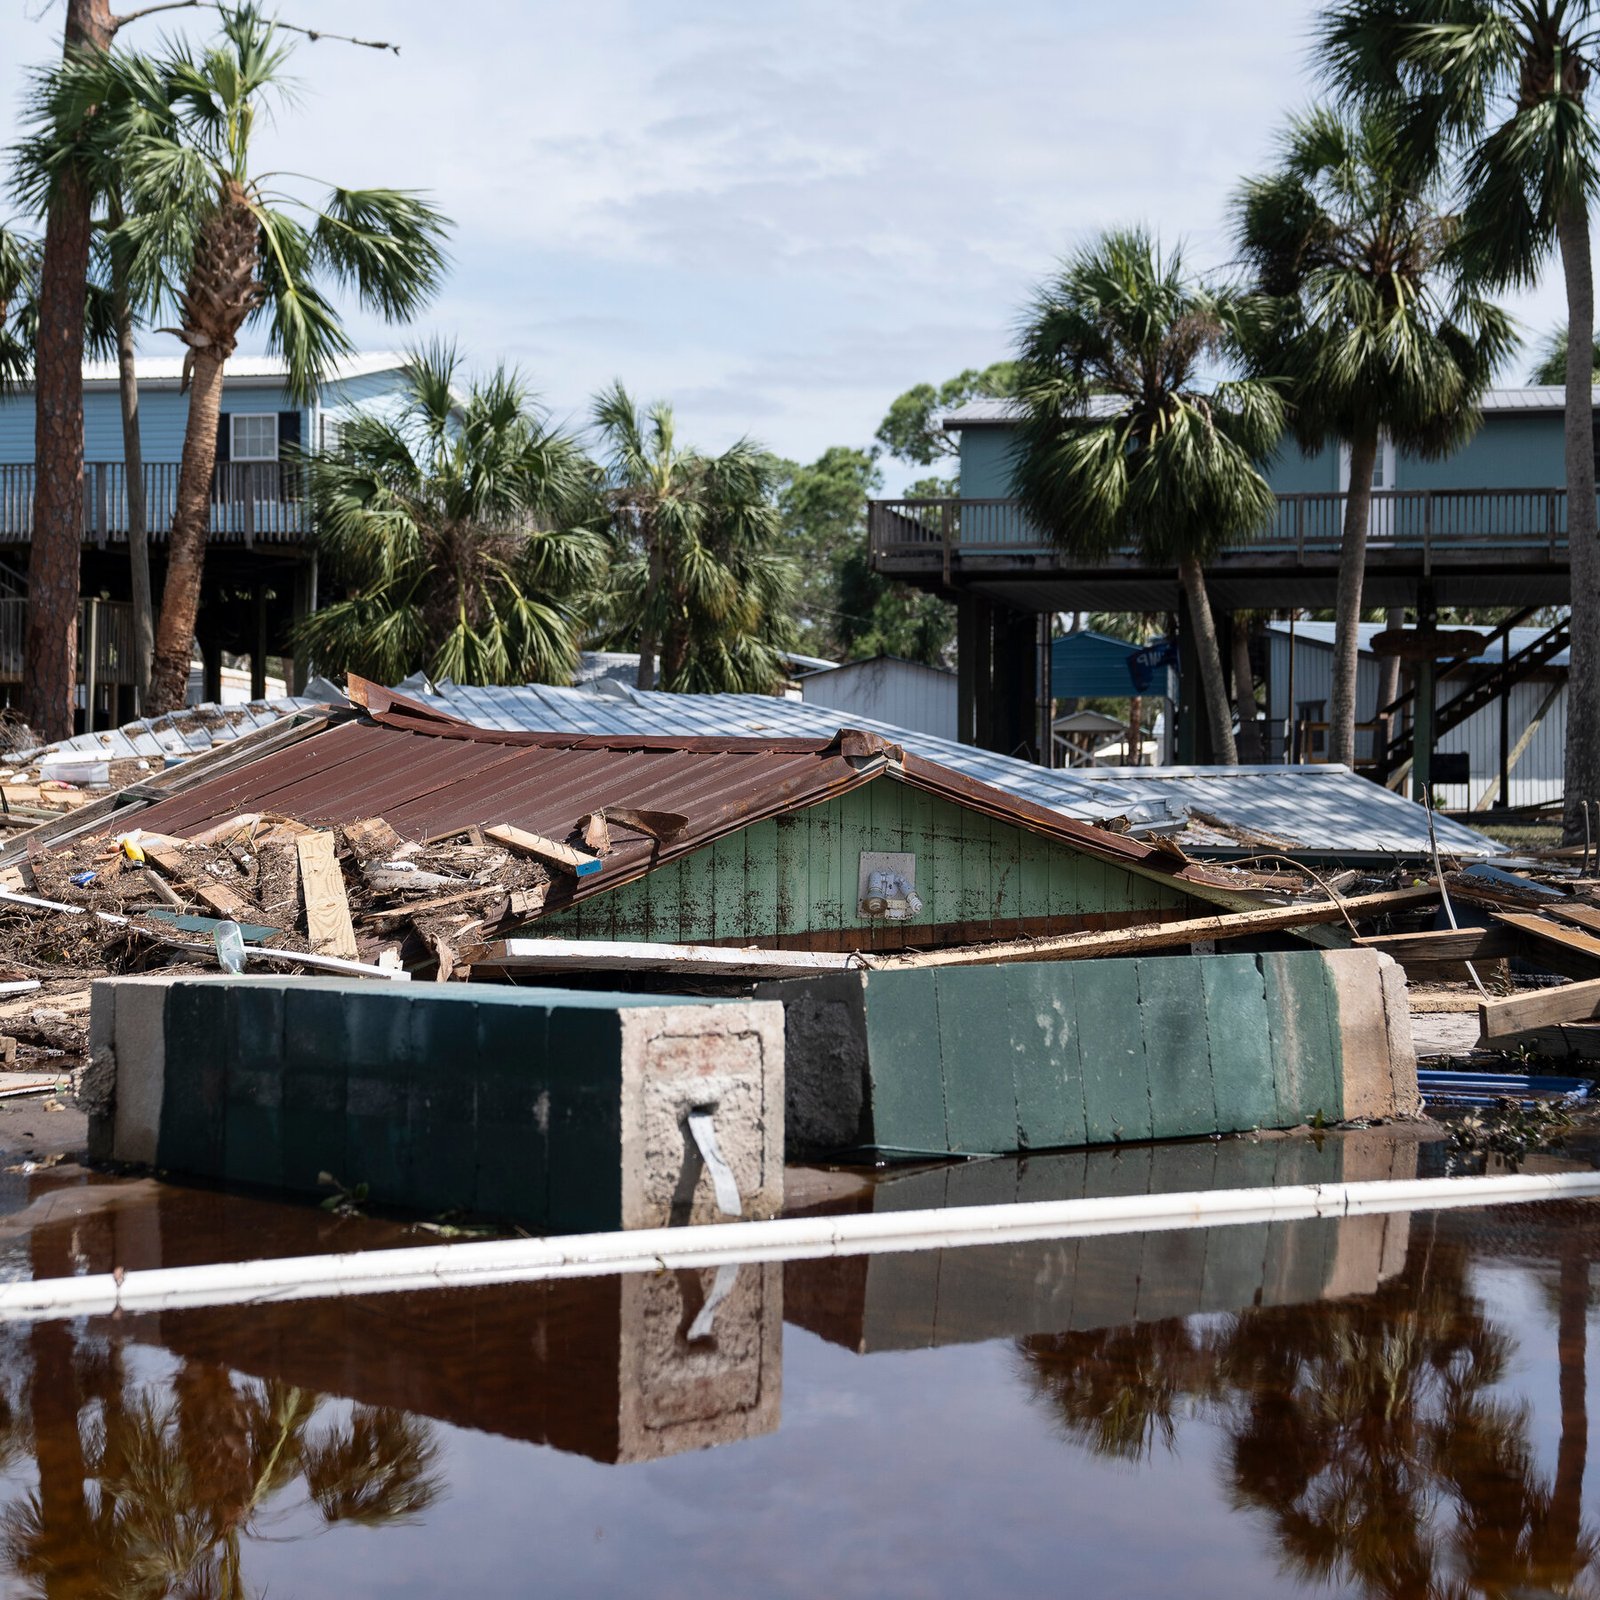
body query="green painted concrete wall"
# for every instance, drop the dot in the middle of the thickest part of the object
(558, 1110)
(800, 874)
(1044, 1055)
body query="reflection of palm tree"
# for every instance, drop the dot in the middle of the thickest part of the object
(183, 1479)
(1368, 1430)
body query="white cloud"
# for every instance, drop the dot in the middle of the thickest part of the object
(778, 215)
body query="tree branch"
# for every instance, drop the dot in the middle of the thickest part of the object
(313, 34)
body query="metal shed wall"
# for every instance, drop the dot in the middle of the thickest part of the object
(1539, 773)
(887, 689)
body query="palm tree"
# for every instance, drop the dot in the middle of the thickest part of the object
(697, 575)
(1366, 321)
(455, 527)
(18, 273)
(82, 114)
(1552, 366)
(197, 197)
(1502, 90)
(1121, 441)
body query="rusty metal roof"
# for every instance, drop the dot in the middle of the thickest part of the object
(427, 774)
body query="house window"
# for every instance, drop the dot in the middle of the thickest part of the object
(332, 435)
(255, 436)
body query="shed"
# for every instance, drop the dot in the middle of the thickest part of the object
(887, 688)
(1092, 666)
(843, 843)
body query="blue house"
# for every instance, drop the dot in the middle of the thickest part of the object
(1486, 526)
(260, 571)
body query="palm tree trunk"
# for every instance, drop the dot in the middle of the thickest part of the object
(186, 551)
(648, 643)
(49, 667)
(133, 469)
(1244, 693)
(1572, 1453)
(1583, 672)
(1347, 604)
(1212, 682)
(1389, 673)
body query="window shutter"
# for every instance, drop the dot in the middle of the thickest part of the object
(288, 431)
(225, 437)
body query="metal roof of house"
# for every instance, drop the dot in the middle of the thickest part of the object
(167, 371)
(998, 412)
(180, 733)
(426, 773)
(1315, 812)
(1320, 634)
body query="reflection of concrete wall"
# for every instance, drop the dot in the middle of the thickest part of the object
(1045, 1055)
(1005, 1291)
(599, 1367)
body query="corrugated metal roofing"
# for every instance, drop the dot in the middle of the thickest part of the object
(180, 733)
(1321, 635)
(991, 412)
(426, 774)
(1321, 813)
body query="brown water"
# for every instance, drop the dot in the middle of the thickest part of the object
(1388, 1406)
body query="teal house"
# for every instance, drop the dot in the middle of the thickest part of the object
(260, 572)
(1486, 526)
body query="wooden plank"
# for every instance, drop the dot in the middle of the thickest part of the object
(223, 900)
(1444, 944)
(1579, 916)
(627, 955)
(1570, 942)
(1167, 935)
(1573, 1002)
(577, 862)
(328, 926)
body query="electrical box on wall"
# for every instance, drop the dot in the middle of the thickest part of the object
(888, 886)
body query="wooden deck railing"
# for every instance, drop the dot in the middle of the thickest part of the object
(109, 623)
(1427, 521)
(251, 502)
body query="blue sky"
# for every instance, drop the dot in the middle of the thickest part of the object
(777, 215)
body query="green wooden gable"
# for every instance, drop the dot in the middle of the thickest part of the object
(794, 881)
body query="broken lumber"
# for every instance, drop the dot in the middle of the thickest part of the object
(1579, 916)
(1572, 1002)
(1444, 944)
(1164, 935)
(328, 925)
(626, 955)
(563, 856)
(218, 896)
(1569, 951)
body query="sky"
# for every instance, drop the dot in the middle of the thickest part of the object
(777, 215)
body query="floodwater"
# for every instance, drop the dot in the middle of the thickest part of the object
(1382, 1406)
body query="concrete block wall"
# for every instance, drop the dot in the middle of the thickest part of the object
(560, 1111)
(1041, 1055)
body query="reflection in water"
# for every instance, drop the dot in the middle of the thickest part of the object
(1374, 1433)
(1357, 1372)
(153, 1489)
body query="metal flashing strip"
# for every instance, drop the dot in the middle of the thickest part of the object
(500, 1261)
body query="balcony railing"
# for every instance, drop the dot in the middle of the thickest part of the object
(251, 502)
(107, 623)
(1428, 522)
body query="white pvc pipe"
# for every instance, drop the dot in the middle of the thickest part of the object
(788, 1239)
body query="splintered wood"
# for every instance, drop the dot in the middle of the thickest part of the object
(327, 907)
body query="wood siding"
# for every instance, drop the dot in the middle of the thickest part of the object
(792, 880)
